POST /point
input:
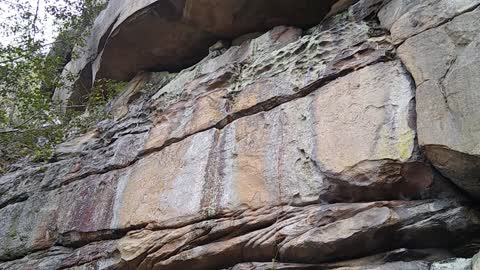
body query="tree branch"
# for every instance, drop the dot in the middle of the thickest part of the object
(17, 130)
(34, 22)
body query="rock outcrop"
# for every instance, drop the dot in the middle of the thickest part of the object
(350, 145)
(445, 63)
(130, 36)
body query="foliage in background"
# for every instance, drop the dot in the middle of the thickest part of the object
(103, 91)
(96, 106)
(31, 123)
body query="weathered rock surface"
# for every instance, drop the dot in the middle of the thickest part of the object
(445, 63)
(312, 234)
(291, 149)
(98, 255)
(290, 154)
(171, 35)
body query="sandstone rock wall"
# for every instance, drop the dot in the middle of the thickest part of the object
(173, 34)
(348, 145)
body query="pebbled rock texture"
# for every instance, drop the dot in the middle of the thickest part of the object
(351, 145)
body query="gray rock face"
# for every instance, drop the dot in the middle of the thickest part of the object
(290, 149)
(445, 63)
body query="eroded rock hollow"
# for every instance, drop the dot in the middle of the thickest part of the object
(300, 134)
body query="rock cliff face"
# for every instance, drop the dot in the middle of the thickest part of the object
(350, 145)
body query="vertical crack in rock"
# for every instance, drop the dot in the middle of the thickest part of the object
(212, 187)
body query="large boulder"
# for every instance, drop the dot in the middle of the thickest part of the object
(445, 63)
(130, 36)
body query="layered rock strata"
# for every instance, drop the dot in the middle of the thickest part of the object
(323, 148)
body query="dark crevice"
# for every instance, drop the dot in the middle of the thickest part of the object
(464, 197)
(81, 89)
(467, 158)
(441, 83)
(75, 239)
(16, 199)
(106, 35)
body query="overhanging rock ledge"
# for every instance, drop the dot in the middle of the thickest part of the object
(169, 35)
